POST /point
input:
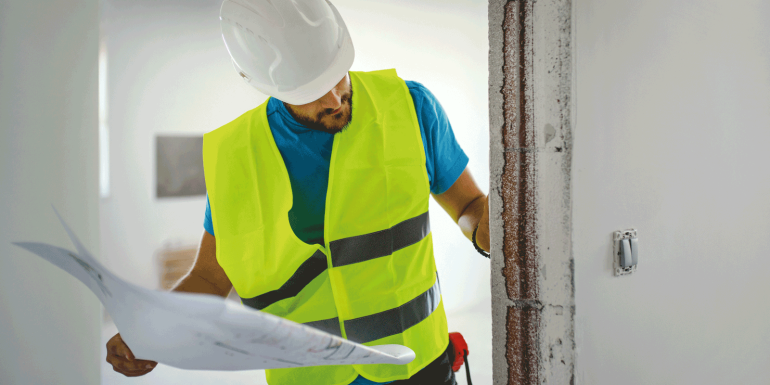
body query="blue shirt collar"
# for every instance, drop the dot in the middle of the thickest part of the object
(292, 124)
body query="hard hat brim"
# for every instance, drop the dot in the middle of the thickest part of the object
(319, 87)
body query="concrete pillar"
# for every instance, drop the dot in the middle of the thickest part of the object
(530, 97)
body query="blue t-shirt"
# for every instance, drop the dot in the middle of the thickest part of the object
(307, 155)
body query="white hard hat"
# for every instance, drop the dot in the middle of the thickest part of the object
(293, 50)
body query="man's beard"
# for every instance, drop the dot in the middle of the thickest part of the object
(339, 123)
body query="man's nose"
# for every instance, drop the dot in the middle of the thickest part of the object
(332, 100)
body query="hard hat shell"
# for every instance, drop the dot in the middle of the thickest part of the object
(293, 50)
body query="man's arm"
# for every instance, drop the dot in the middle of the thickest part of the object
(468, 207)
(206, 276)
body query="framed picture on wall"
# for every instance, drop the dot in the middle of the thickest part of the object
(179, 162)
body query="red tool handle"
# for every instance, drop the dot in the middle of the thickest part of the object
(461, 354)
(460, 348)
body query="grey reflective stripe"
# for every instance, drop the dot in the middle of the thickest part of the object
(331, 325)
(307, 271)
(396, 320)
(362, 248)
(386, 323)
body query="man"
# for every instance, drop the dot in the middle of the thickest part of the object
(318, 198)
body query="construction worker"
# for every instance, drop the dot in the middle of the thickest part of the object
(318, 198)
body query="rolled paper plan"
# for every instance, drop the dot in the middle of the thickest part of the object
(206, 332)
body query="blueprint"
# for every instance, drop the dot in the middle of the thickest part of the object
(206, 332)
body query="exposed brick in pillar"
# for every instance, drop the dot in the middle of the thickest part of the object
(522, 340)
(530, 200)
(519, 208)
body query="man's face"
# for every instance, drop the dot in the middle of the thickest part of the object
(331, 113)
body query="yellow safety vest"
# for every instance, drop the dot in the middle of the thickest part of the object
(374, 280)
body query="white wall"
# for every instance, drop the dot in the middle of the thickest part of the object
(169, 72)
(671, 138)
(166, 74)
(49, 322)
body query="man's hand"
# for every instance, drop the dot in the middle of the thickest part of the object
(123, 361)
(206, 276)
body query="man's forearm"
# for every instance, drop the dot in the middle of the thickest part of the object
(471, 216)
(468, 207)
(193, 283)
(475, 216)
(206, 276)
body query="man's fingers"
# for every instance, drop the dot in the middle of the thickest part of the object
(132, 365)
(130, 368)
(147, 364)
(122, 349)
(116, 346)
(130, 373)
(123, 361)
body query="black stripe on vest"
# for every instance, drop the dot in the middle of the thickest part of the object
(362, 248)
(386, 323)
(307, 271)
(331, 326)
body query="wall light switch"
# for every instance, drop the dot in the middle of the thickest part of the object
(626, 252)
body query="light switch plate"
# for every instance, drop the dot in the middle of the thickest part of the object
(619, 236)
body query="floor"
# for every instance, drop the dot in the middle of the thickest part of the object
(474, 322)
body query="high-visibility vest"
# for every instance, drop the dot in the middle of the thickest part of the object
(374, 280)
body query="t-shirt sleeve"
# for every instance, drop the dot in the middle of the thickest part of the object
(445, 160)
(207, 224)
